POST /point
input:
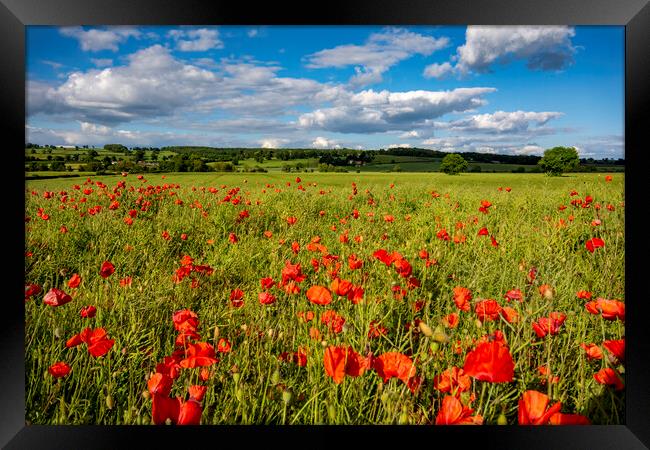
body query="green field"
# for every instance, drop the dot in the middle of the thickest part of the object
(262, 378)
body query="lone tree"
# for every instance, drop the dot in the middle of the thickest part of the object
(453, 164)
(557, 160)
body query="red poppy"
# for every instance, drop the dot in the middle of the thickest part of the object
(292, 272)
(592, 351)
(510, 314)
(31, 290)
(568, 419)
(291, 220)
(165, 409)
(514, 294)
(125, 282)
(232, 237)
(450, 320)
(107, 269)
(237, 298)
(609, 377)
(197, 392)
(341, 360)
(340, 287)
(200, 354)
(266, 298)
(487, 310)
(355, 294)
(56, 297)
(394, 364)
(442, 235)
(549, 325)
(97, 341)
(483, 232)
(453, 412)
(160, 384)
(490, 361)
(74, 281)
(223, 346)
(584, 295)
(610, 309)
(267, 283)
(333, 321)
(533, 408)
(452, 380)
(462, 296)
(88, 311)
(319, 295)
(616, 348)
(403, 268)
(59, 369)
(594, 243)
(354, 262)
(185, 320)
(376, 330)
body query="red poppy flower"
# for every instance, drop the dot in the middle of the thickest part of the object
(126, 282)
(584, 295)
(223, 346)
(266, 298)
(232, 237)
(354, 262)
(487, 310)
(200, 354)
(450, 320)
(568, 419)
(340, 361)
(594, 243)
(160, 384)
(514, 294)
(490, 361)
(394, 364)
(549, 325)
(453, 412)
(483, 232)
(452, 380)
(170, 366)
(56, 297)
(292, 272)
(592, 350)
(88, 311)
(59, 369)
(462, 296)
(510, 314)
(609, 377)
(532, 408)
(442, 235)
(98, 342)
(107, 269)
(74, 281)
(609, 309)
(341, 287)
(319, 295)
(403, 268)
(197, 392)
(267, 283)
(355, 294)
(333, 321)
(616, 348)
(237, 298)
(31, 290)
(165, 409)
(185, 320)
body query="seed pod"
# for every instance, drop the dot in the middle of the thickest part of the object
(331, 412)
(239, 394)
(235, 377)
(109, 401)
(216, 332)
(57, 333)
(275, 377)
(403, 417)
(425, 329)
(287, 396)
(439, 335)
(502, 420)
(434, 346)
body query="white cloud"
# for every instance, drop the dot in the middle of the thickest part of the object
(102, 62)
(380, 52)
(399, 146)
(370, 111)
(273, 142)
(252, 33)
(95, 39)
(92, 128)
(438, 71)
(502, 122)
(542, 47)
(321, 142)
(198, 40)
(410, 134)
(529, 150)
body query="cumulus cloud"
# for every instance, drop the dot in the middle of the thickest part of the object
(438, 71)
(196, 40)
(371, 112)
(380, 52)
(321, 142)
(502, 122)
(273, 142)
(96, 39)
(102, 62)
(399, 146)
(410, 134)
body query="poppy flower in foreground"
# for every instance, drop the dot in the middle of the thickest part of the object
(490, 361)
(59, 369)
(462, 296)
(533, 408)
(452, 380)
(237, 298)
(592, 351)
(319, 295)
(341, 360)
(166, 410)
(609, 377)
(56, 297)
(609, 309)
(549, 325)
(266, 298)
(185, 320)
(96, 340)
(394, 364)
(487, 310)
(74, 281)
(107, 269)
(616, 348)
(453, 412)
(31, 290)
(160, 384)
(88, 312)
(568, 419)
(200, 354)
(594, 243)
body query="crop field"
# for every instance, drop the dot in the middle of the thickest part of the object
(307, 298)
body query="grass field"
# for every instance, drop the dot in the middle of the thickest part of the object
(182, 347)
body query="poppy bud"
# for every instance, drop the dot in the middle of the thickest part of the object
(109, 401)
(57, 333)
(439, 335)
(478, 323)
(235, 377)
(168, 421)
(425, 329)
(239, 394)
(385, 397)
(502, 420)
(331, 412)
(287, 396)
(275, 378)
(434, 347)
(403, 417)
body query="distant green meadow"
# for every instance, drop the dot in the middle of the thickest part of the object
(373, 327)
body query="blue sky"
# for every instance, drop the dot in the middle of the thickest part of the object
(508, 90)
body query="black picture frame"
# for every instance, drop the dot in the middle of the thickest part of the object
(15, 15)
